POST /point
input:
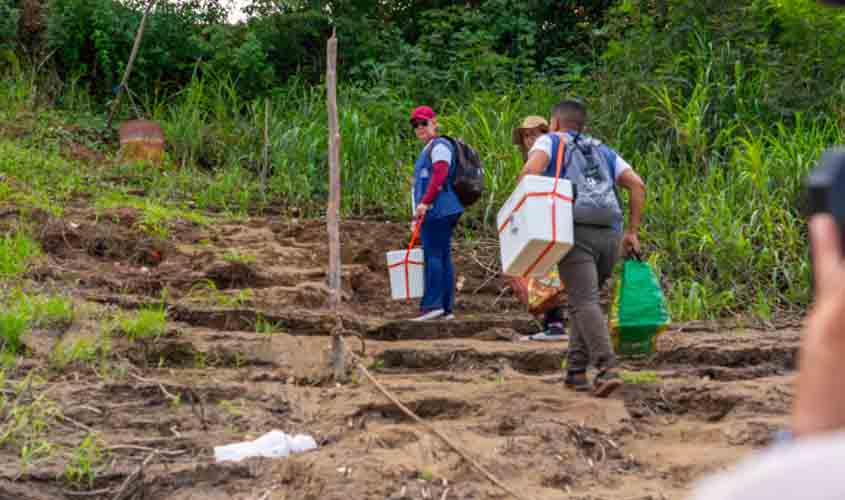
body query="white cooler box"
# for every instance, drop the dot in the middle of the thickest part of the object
(406, 275)
(528, 243)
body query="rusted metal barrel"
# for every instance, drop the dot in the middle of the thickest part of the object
(141, 140)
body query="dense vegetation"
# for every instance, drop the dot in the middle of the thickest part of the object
(722, 106)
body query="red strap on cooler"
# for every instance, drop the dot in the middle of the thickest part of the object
(407, 260)
(555, 196)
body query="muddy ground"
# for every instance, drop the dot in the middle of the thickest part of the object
(708, 398)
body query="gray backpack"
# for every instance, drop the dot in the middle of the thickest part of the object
(596, 200)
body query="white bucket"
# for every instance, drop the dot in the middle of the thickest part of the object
(535, 226)
(406, 275)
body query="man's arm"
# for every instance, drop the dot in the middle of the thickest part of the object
(631, 181)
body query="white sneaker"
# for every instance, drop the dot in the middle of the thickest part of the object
(431, 315)
(550, 335)
(449, 317)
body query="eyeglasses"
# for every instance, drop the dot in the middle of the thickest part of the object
(415, 124)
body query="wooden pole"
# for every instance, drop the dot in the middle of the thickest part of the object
(135, 46)
(333, 211)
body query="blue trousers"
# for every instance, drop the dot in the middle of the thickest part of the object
(436, 236)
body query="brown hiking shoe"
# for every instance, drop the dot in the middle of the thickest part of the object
(606, 382)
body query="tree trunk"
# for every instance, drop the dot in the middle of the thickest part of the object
(135, 46)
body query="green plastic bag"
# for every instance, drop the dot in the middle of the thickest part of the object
(639, 313)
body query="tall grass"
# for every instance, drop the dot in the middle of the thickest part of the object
(378, 146)
(142, 324)
(13, 328)
(722, 223)
(17, 250)
(20, 312)
(731, 239)
(723, 163)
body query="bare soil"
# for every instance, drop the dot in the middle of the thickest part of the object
(716, 394)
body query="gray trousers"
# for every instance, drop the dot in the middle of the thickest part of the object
(583, 271)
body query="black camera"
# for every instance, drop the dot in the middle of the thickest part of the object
(826, 188)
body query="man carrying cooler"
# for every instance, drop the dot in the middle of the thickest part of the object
(594, 170)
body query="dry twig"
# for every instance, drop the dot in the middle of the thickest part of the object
(27, 390)
(92, 493)
(75, 423)
(457, 449)
(145, 448)
(586, 438)
(193, 397)
(138, 472)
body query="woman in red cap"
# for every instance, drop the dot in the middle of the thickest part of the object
(438, 210)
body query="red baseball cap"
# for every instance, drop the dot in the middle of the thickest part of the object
(423, 113)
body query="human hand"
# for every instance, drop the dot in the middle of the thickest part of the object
(631, 243)
(819, 400)
(422, 208)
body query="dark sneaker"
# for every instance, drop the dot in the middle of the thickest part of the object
(577, 381)
(605, 383)
(554, 333)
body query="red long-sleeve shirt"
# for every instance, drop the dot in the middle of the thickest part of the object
(438, 178)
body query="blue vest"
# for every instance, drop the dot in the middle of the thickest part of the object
(552, 166)
(446, 203)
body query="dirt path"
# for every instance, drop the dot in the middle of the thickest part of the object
(245, 351)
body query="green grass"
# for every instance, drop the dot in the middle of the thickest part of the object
(425, 475)
(234, 408)
(42, 178)
(265, 327)
(17, 251)
(730, 239)
(237, 298)
(84, 351)
(237, 257)
(640, 377)
(13, 327)
(52, 311)
(44, 311)
(21, 312)
(206, 291)
(143, 324)
(200, 360)
(85, 463)
(28, 420)
(27, 201)
(156, 218)
(202, 289)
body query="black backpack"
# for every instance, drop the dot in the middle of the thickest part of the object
(468, 182)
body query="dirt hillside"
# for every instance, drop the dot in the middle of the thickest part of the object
(245, 351)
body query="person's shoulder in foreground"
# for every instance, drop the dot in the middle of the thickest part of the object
(806, 468)
(797, 470)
